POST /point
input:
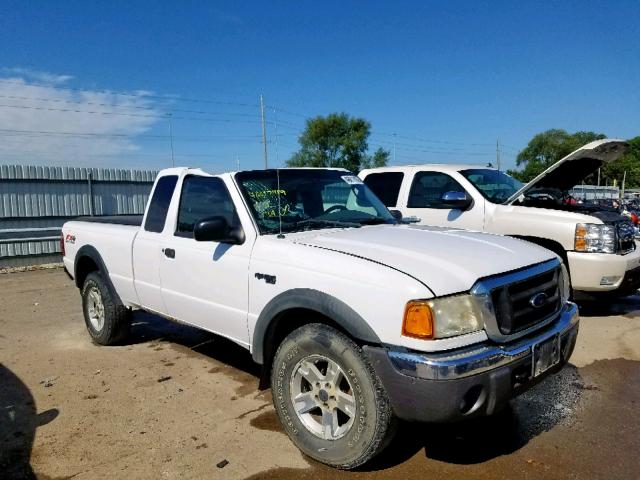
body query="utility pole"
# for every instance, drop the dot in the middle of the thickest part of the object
(498, 153)
(598, 177)
(394, 148)
(173, 163)
(624, 178)
(237, 163)
(264, 133)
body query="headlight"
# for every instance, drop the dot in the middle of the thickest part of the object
(446, 317)
(564, 284)
(595, 238)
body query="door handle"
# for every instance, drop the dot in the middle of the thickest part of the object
(169, 252)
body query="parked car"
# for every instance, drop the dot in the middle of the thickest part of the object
(356, 319)
(595, 243)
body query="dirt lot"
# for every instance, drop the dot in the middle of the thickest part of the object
(177, 401)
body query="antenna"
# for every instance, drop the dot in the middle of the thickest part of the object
(280, 235)
(264, 131)
(275, 124)
(173, 163)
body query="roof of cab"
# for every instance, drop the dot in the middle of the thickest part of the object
(199, 171)
(440, 167)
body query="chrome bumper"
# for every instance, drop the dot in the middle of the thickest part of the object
(481, 358)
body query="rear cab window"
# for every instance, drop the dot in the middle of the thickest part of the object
(386, 186)
(159, 204)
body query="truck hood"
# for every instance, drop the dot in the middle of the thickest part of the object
(575, 167)
(445, 260)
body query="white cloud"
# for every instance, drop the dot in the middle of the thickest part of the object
(36, 75)
(41, 123)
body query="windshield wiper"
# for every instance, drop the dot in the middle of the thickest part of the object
(327, 223)
(372, 221)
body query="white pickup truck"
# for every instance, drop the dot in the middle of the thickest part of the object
(356, 319)
(597, 245)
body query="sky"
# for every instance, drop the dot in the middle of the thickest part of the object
(123, 84)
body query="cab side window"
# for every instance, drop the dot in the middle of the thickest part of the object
(201, 198)
(386, 186)
(159, 205)
(428, 187)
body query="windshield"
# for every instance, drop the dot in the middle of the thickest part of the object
(310, 199)
(494, 185)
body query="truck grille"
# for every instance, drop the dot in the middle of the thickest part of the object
(523, 303)
(625, 233)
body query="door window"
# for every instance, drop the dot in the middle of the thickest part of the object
(428, 187)
(157, 212)
(203, 197)
(386, 186)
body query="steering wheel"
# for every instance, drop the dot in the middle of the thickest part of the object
(335, 207)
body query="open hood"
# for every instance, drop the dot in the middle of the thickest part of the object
(575, 167)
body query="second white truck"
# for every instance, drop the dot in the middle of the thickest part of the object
(597, 245)
(356, 319)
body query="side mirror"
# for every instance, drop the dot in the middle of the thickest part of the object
(457, 200)
(216, 229)
(397, 214)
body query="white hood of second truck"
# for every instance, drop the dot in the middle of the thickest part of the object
(445, 260)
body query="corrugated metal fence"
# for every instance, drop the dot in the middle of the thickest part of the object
(36, 201)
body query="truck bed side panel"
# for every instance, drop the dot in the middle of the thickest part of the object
(114, 244)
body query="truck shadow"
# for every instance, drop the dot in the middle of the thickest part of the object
(627, 306)
(469, 442)
(18, 422)
(536, 411)
(148, 328)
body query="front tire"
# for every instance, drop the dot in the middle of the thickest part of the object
(329, 399)
(107, 320)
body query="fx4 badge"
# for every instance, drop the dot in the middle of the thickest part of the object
(267, 278)
(70, 238)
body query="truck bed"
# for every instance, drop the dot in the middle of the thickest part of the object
(132, 220)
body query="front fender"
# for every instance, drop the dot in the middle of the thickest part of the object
(338, 311)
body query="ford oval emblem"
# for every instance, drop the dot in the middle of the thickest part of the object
(538, 300)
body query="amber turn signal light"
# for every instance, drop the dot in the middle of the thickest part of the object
(581, 238)
(418, 321)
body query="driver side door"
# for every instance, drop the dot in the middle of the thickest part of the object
(425, 202)
(205, 283)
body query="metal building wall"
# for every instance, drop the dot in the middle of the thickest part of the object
(35, 201)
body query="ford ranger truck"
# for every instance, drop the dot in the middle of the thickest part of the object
(596, 244)
(356, 319)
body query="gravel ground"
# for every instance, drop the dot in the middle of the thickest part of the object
(177, 402)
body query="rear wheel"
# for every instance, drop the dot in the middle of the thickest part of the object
(107, 320)
(329, 398)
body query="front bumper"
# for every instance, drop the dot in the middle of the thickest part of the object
(588, 270)
(467, 382)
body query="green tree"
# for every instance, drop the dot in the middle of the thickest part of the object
(337, 140)
(630, 163)
(546, 148)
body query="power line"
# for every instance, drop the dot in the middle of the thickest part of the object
(128, 94)
(445, 152)
(135, 107)
(421, 139)
(289, 112)
(12, 132)
(158, 117)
